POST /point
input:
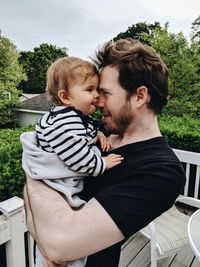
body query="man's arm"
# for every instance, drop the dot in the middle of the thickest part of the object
(65, 234)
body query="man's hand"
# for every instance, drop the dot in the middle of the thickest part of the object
(48, 263)
(53, 264)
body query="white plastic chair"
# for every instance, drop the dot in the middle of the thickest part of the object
(168, 233)
(194, 233)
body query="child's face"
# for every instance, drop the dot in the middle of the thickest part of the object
(84, 96)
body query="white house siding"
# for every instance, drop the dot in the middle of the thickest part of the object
(26, 117)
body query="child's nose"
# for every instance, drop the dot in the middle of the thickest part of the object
(96, 94)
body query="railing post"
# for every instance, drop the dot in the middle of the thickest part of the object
(30, 250)
(15, 249)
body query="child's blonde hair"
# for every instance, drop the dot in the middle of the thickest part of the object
(65, 72)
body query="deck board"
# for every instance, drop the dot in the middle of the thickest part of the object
(195, 263)
(132, 249)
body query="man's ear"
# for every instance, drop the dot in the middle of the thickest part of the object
(142, 95)
(64, 97)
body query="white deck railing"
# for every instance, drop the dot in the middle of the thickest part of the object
(12, 230)
(191, 160)
(12, 222)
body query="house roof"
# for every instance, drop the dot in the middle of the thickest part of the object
(40, 102)
(27, 96)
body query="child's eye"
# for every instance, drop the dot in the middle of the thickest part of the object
(89, 89)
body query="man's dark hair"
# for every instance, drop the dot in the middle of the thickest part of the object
(138, 65)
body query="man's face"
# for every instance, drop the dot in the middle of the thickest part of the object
(114, 102)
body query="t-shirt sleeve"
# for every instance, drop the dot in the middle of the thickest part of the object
(141, 197)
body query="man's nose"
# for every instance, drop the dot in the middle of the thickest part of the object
(101, 101)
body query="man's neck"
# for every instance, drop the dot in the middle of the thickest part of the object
(146, 129)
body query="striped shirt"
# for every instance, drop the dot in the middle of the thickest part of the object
(70, 134)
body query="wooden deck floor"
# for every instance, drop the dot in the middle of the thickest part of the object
(136, 253)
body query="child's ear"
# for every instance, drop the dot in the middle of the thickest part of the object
(64, 97)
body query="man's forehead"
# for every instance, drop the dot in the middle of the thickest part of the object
(109, 77)
(109, 70)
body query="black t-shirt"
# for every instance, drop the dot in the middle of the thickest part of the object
(142, 187)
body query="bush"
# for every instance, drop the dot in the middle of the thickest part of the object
(182, 133)
(11, 172)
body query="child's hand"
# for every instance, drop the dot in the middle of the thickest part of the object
(112, 160)
(105, 143)
(61, 264)
(54, 264)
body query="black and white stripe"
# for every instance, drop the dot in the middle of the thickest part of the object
(65, 134)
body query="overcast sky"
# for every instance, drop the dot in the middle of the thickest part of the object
(83, 25)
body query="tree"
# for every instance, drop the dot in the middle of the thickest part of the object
(182, 62)
(137, 30)
(196, 29)
(195, 39)
(11, 73)
(36, 64)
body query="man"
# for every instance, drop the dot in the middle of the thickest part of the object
(133, 90)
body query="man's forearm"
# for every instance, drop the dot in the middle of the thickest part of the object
(65, 234)
(29, 217)
(44, 207)
(41, 200)
(32, 230)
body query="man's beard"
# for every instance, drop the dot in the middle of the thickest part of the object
(122, 122)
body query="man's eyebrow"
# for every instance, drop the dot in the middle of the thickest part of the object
(102, 90)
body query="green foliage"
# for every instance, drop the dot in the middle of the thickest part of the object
(11, 73)
(136, 31)
(169, 45)
(8, 102)
(196, 29)
(36, 64)
(186, 105)
(11, 172)
(182, 133)
(97, 115)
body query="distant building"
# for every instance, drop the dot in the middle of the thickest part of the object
(32, 109)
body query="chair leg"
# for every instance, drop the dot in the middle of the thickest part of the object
(153, 262)
(153, 253)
